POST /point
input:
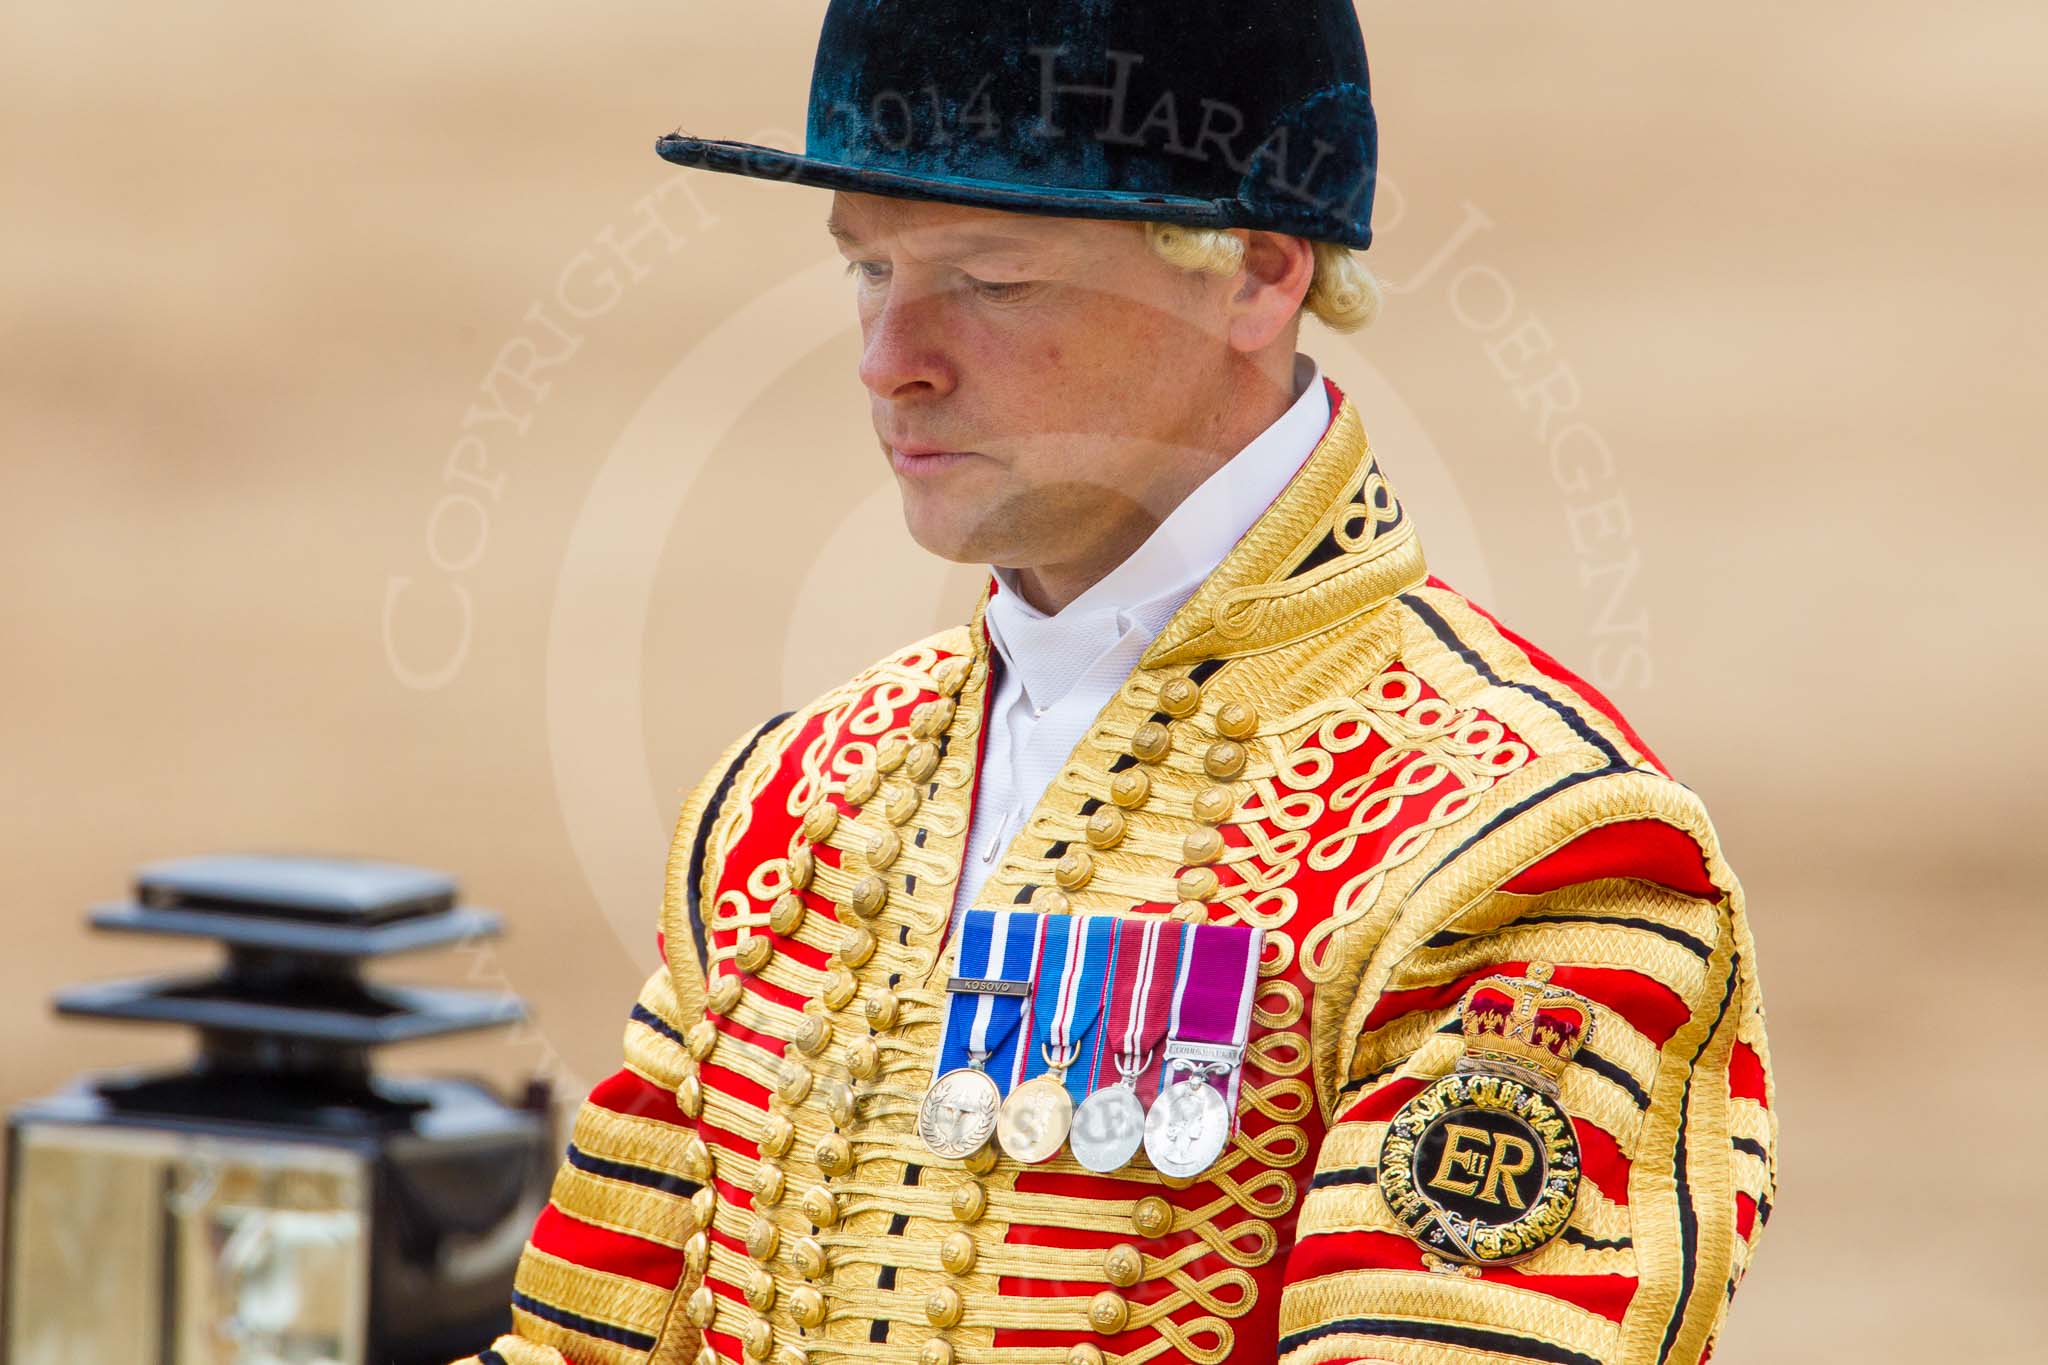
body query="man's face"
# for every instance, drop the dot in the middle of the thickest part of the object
(1034, 381)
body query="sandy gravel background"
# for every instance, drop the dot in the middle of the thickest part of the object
(263, 269)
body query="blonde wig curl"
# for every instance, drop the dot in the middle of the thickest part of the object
(1342, 293)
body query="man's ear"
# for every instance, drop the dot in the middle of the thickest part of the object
(1272, 283)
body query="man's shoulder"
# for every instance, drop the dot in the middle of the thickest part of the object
(1498, 657)
(1587, 797)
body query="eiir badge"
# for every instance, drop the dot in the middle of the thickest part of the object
(1482, 1166)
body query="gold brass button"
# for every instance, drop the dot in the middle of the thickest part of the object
(902, 804)
(1087, 1353)
(786, 916)
(697, 1252)
(1124, 1264)
(813, 1035)
(869, 895)
(776, 1136)
(1213, 805)
(1074, 869)
(803, 865)
(820, 820)
(701, 1306)
(930, 719)
(702, 1037)
(836, 1097)
(862, 785)
(891, 752)
(957, 1253)
(943, 1306)
(807, 1254)
(856, 945)
(757, 1339)
(754, 954)
(1224, 760)
(1130, 787)
(1106, 827)
(970, 1201)
(922, 762)
(820, 1206)
(982, 1159)
(937, 1351)
(883, 847)
(690, 1097)
(1201, 846)
(769, 1183)
(840, 986)
(1237, 720)
(763, 1237)
(882, 1009)
(950, 676)
(703, 1204)
(834, 1154)
(1108, 1313)
(696, 1158)
(1152, 1217)
(793, 1080)
(725, 993)
(807, 1306)
(760, 1291)
(864, 1058)
(1151, 742)
(1198, 884)
(1179, 697)
(1050, 902)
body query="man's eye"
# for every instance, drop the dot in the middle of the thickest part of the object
(991, 289)
(871, 272)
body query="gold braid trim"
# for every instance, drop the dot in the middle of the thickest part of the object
(1426, 1296)
(687, 974)
(576, 1346)
(625, 1137)
(1654, 1197)
(519, 1351)
(623, 1206)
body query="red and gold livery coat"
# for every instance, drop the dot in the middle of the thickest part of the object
(1324, 742)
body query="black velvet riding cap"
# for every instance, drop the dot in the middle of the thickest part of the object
(1211, 113)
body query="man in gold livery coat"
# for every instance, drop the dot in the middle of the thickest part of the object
(1506, 1094)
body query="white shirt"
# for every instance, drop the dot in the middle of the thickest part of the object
(1058, 672)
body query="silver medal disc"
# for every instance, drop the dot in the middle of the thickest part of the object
(1032, 1125)
(1109, 1128)
(959, 1112)
(1187, 1128)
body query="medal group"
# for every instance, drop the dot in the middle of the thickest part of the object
(1109, 1034)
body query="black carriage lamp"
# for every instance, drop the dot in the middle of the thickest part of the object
(276, 1202)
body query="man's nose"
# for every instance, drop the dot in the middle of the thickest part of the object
(903, 353)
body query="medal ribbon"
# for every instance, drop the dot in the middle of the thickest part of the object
(1212, 996)
(1069, 996)
(1135, 1013)
(995, 945)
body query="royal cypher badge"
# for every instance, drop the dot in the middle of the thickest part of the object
(1482, 1166)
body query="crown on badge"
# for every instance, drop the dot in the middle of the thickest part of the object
(1526, 1023)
